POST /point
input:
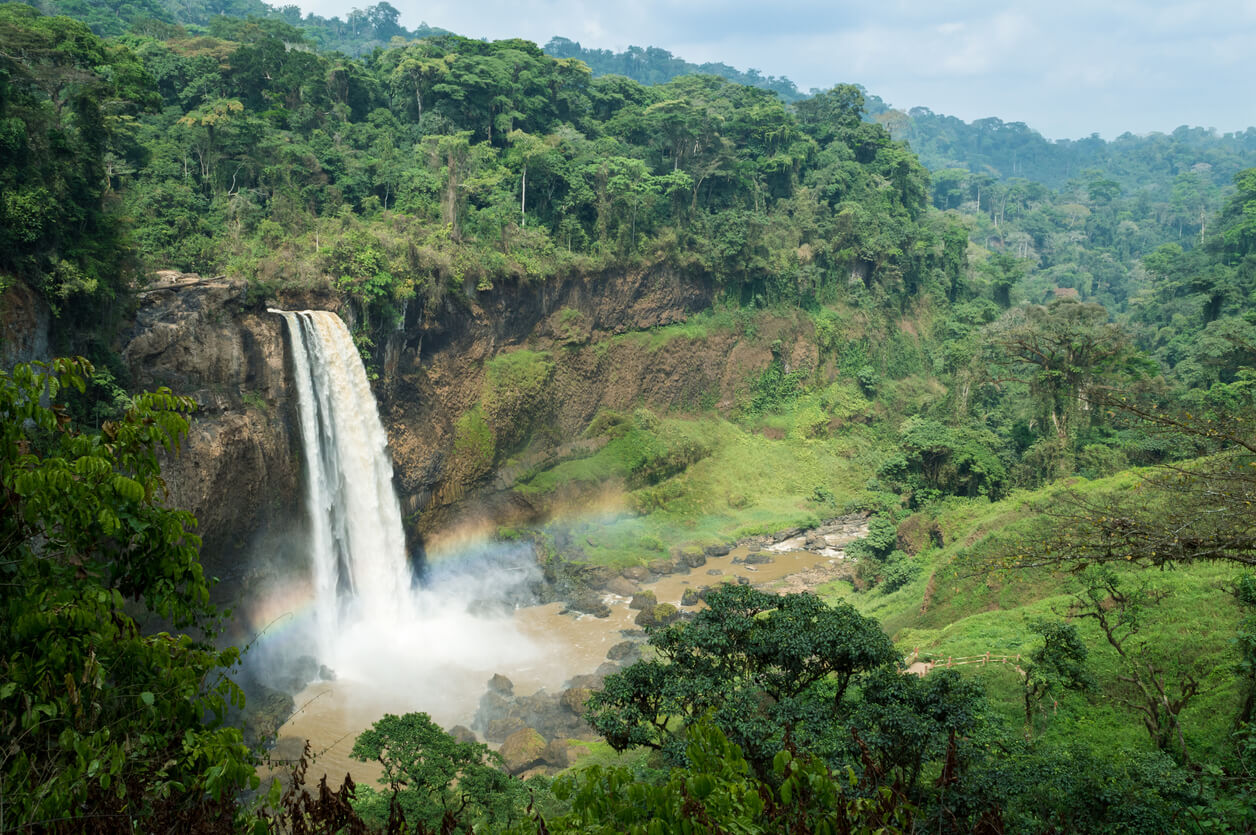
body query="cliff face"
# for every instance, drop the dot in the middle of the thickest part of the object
(239, 469)
(24, 322)
(435, 368)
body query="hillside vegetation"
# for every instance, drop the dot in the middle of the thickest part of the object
(1039, 391)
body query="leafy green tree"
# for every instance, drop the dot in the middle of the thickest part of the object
(760, 663)
(113, 697)
(1067, 354)
(434, 779)
(68, 105)
(718, 791)
(909, 722)
(957, 461)
(1059, 664)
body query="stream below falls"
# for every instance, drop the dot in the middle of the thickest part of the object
(330, 714)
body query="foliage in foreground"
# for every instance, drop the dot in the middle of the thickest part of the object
(434, 778)
(113, 698)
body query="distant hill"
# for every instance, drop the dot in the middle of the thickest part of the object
(1008, 150)
(651, 65)
(361, 30)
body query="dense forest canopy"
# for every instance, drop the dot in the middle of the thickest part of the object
(652, 65)
(993, 316)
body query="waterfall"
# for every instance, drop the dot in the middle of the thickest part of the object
(394, 647)
(357, 545)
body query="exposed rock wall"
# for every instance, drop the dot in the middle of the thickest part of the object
(439, 364)
(238, 470)
(24, 321)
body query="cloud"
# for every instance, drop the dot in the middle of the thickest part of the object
(1067, 68)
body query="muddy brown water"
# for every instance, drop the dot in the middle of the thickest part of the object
(330, 714)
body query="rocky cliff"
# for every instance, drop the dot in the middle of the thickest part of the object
(239, 469)
(239, 472)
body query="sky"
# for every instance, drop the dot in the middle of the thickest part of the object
(1067, 68)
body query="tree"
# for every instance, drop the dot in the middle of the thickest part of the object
(1159, 689)
(1067, 353)
(415, 70)
(758, 662)
(68, 104)
(717, 791)
(1059, 664)
(938, 458)
(107, 722)
(434, 779)
(1177, 514)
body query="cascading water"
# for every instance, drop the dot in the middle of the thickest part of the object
(357, 547)
(393, 646)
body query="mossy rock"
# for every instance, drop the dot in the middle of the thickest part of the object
(662, 567)
(644, 599)
(660, 615)
(573, 698)
(625, 652)
(691, 556)
(523, 749)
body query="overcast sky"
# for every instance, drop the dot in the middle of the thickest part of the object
(1068, 68)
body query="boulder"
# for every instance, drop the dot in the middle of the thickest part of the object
(636, 573)
(500, 729)
(501, 685)
(660, 615)
(555, 754)
(597, 576)
(662, 567)
(462, 733)
(716, 550)
(267, 712)
(573, 698)
(758, 558)
(589, 603)
(689, 598)
(692, 557)
(625, 652)
(645, 599)
(621, 586)
(592, 681)
(492, 706)
(523, 749)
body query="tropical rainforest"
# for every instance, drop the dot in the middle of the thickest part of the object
(1032, 366)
